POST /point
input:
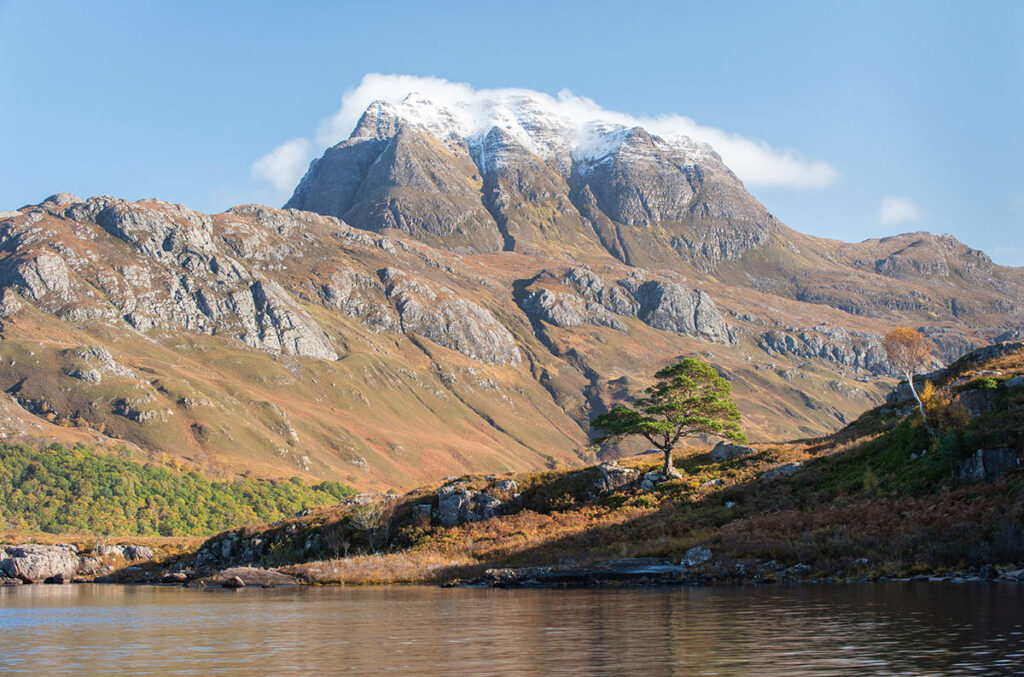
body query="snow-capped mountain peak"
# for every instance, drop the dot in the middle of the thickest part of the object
(539, 125)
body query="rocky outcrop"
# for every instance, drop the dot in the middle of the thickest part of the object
(568, 310)
(279, 325)
(989, 464)
(587, 299)
(457, 504)
(453, 322)
(39, 563)
(672, 307)
(830, 343)
(92, 363)
(131, 553)
(613, 477)
(45, 277)
(179, 276)
(977, 401)
(359, 296)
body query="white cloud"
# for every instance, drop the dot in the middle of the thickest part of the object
(285, 165)
(898, 210)
(754, 161)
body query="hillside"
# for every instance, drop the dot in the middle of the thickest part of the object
(864, 502)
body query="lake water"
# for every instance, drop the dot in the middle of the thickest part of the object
(853, 629)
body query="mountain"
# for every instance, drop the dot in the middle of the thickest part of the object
(524, 177)
(453, 291)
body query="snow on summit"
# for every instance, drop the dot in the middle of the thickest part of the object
(542, 124)
(548, 126)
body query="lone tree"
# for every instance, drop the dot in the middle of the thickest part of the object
(688, 399)
(908, 351)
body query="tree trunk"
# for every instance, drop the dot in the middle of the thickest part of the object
(669, 470)
(920, 404)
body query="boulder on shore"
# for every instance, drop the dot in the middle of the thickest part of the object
(246, 576)
(37, 563)
(696, 556)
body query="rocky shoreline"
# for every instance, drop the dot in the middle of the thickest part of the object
(655, 572)
(61, 564)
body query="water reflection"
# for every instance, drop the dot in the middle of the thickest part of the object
(912, 629)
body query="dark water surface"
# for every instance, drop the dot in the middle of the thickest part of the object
(856, 629)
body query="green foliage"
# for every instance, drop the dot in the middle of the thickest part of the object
(60, 490)
(688, 399)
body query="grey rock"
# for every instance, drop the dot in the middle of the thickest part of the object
(449, 320)
(9, 303)
(613, 477)
(457, 505)
(696, 556)
(110, 551)
(1013, 575)
(61, 199)
(829, 343)
(653, 478)
(36, 563)
(283, 326)
(137, 410)
(506, 487)
(484, 507)
(138, 552)
(564, 310)
(393, 175)
(561, 310)
(672, 307)
(360, 296)
(452, 504)
(91, 363)
(44, 277)
(727, 451)
(784, 470)
(989, 464)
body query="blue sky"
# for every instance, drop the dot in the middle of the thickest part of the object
(916, 106)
